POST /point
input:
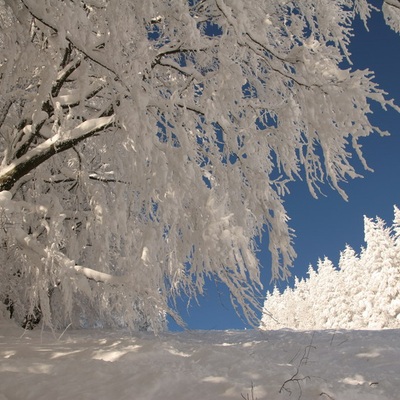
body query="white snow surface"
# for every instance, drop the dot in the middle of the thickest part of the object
(98, 364)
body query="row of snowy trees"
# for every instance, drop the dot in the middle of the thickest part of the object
(363, 292)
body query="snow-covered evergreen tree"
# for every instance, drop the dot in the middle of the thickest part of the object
(145, 144)
(363, 293)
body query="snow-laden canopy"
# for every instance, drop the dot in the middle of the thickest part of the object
(145, 144)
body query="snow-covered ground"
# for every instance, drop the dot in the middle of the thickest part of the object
(97, 364)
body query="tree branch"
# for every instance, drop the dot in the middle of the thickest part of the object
(100, 277)
(73, 100)
(63, 76)
(393, 3)
(70, 40)
(10, 174)
(30, 131)
(4, 111)
(28, 242)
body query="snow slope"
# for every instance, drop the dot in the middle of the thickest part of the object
(97, 364)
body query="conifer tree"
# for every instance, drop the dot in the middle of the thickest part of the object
(363, 293)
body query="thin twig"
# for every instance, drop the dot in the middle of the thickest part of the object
(251, 392)
(296, 376)
(62, 334)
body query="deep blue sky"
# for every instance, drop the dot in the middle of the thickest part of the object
(324, 226)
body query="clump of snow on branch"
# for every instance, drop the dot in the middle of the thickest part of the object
(362, 293)
(391, 11)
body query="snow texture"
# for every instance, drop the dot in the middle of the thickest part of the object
(275, 365)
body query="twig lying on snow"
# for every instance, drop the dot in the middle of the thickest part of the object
(296, 377)
(251, 393)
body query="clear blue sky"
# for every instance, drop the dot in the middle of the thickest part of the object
(324, 226)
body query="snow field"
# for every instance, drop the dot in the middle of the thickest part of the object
(204, 365)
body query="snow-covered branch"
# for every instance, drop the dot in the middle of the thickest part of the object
(393, 3)
(391, 11)
(11, 173)
(31, 245)
(100, 277)
(35, 11)
(75, 97)
(4, 110)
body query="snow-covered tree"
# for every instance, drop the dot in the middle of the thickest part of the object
(364, 292)
(145, 144)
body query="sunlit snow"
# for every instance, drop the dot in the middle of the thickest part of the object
(323, 365)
